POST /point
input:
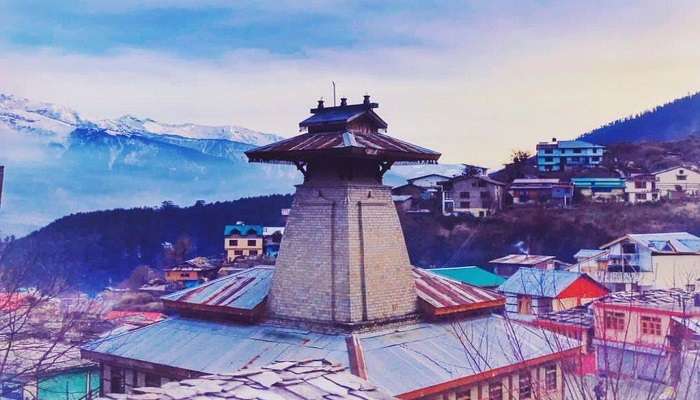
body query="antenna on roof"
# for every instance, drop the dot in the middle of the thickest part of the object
(333, 82)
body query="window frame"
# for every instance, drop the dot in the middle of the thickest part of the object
(525, 376)
(550, 384)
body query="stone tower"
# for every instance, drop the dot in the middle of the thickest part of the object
(343, 258)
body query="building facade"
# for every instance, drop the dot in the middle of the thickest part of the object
(477, 195)
(561, 155)
(242, 240)
(538, 191)
(641, 188)
(600, 189)
(677, 182)
(647, 261)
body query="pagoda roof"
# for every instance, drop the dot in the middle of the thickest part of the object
(343, 144)
(343, 114)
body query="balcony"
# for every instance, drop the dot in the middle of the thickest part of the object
(619, 277)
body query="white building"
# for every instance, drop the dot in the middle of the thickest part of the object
(641, 188)
(677, 180)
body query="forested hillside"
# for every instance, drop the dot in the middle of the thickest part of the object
(100, 248)
(674, 120)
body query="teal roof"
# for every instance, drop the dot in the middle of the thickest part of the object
(471, 275)
(599, 182)
(243, 230)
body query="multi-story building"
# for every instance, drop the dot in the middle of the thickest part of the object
(641, 188)
(551, 192)
(559, 155)
(677, 182)
(477, 195)
(242, 240)
(343, 289)
(654, 260)
(641, 334)
(600, 189)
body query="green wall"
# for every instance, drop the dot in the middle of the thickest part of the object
(73, 382)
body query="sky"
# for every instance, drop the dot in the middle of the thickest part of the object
(473, 80)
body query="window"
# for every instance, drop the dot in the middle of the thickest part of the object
(545, 305)
(577, 151)
(116, 380)
(629, 248)
(524, 385)
(548, 151)
(682, 177)
(448, 195)
(184, 275)
(238, 252)
(651, 325)
(640, 196)
(548, 159)
(252, 242)
(690, 287)
(253, 253)
(233, 242)
(550, 377)
(496, 390)
(485, 195)
(640, 184)
(463, 195)
(482, 183)
(614, 320)
(595, 159)
(152, 380)
(464, 394)
(464, 204)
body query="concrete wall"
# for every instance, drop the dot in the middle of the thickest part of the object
(668, 181)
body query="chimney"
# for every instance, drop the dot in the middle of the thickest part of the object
(554, 140)
(320, 103)
(366, 99)
(343, 101)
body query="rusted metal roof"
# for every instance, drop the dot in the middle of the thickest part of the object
(342, 143)
(240, 293)
(521, 259)
(445, 296)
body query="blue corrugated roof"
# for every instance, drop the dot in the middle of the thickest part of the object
(537, 282)
(668, 242)
(577, 144)
(599, 182)
(243, 229)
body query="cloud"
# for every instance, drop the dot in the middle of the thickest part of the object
(473, 82)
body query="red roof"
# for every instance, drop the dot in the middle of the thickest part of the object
(135, 316)
(342, 143)
(443, 296)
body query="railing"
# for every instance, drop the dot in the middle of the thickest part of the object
(616, 277)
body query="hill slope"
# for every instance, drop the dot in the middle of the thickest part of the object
(674, 120)
(99, 248)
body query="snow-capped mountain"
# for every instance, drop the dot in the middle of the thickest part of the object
(57, 162)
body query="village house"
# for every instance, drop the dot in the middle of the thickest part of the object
(192, 272)
(677, 182)
(641, 188)
(343, 289)
(645, 261)
(272, 237)
(642, 334)
(539, 191)
(471, 275)
(559, 155)
(532, 291)
(477, 195)
(508, 265)
(600, 189)
(242, 240)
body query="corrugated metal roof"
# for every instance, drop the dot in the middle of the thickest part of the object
(573, 144)
(692, 324)
(342, 114)
(667, 299)
(521, 259)
(399, 359)
(471, 275)
(667, 243)
(446, 294)
(243, 230)
(588, 253)
(537, 282)
(196, 264)
(599, 182)
(244, 290)
(373, 145)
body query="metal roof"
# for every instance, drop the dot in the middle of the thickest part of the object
(666, 243)
(243, 230)
(297, 380)
(521, 259)
(667, 299)
(471, 275)
(196, 264)
(599, 182)
(342, 114)
(573, 144)
(370, 145)
(588, 253)
(537, 282)
(400, 359)
(448, 296)
(581, 316)
(242, 291)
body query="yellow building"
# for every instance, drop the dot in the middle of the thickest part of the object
(242, 240)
